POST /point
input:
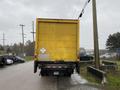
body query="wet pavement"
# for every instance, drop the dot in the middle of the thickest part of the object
(21, 77)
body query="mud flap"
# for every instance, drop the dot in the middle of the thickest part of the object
(35, 66)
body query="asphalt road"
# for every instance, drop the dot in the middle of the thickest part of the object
(21, 77)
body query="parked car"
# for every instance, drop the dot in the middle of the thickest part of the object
(2, 61)
(5, 61)
(9, 61)
(106, 56)
(19, 59)
(85, 57)
(16, 59)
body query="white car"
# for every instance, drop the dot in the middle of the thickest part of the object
(9, 62)
(106, 56)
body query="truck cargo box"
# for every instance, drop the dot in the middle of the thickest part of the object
(57, 40)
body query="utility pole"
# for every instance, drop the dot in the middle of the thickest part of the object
(95, 35)
(22, 25)
(3, 39)
(33, 32)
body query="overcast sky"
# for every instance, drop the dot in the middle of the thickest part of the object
(15, 12)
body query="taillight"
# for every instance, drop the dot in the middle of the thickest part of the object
(78, 57)
(35, 56)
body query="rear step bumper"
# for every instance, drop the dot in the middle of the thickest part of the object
(55, 62)
(56, 71)
(55, 66)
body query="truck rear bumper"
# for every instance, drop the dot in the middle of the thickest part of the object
(55, 67)
(56, 71)
(55, 62)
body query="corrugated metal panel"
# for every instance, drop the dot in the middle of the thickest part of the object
(59, 39)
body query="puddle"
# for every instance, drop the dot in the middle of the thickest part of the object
(77, 79)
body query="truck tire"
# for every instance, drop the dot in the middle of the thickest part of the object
(42, 73)
(68, 75)
(78, 68)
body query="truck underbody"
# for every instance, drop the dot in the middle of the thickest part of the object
(58, 68)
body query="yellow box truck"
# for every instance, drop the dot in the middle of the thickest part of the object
(56, 46)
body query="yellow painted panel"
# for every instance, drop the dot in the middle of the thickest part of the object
(59, 38)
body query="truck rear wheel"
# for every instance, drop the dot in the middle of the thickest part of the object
(68, 75)
(78, 68)
(42, 73)
(69, 72)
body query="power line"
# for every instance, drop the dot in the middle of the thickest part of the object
(81, 13)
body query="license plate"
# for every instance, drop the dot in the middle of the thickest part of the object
(56, 73)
